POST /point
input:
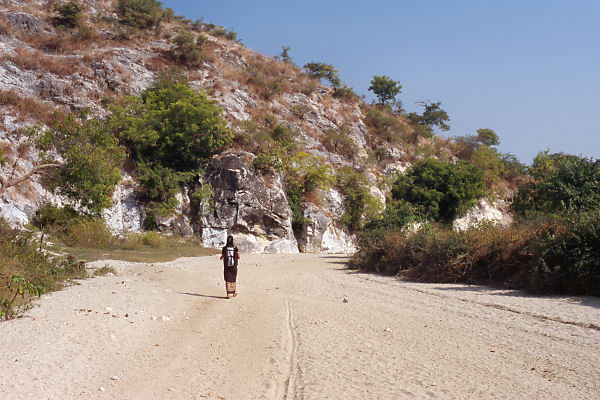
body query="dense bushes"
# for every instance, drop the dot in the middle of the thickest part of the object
(359, 203)
(140, 14)
(69, 14)
(26, 272)
(86, 157)
(556, 256)
(440, 190)
(562, 183)
(170, 131)
(554, 247)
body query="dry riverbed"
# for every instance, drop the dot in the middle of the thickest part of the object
(302, 327)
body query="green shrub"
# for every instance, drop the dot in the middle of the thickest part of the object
(359, 203)
(433, 116)
(170, 132)
(385, 89)
(487, 160)
(440, 190)
(340, 143)
(55, 216)
(385, 125)
(140, 14)
(188, 50)
(25, 271)
(566, 256)
(303, 176)
(89, 166)
(88, 233)
(69, 14)
(563, 184)
(324, 71)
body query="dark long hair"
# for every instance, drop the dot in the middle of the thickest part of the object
(229, 240)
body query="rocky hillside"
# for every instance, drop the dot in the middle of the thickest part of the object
(44, 67)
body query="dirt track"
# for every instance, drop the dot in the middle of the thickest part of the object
(301, 328)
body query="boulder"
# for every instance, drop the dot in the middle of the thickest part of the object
(126, 213)
(485, 211)
(321, 233)
(249, 205)
(25, 22)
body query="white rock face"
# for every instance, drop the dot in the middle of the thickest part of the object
(322, 234)
(255, 213)
(13, 215)
(126, 213)
(496, 213)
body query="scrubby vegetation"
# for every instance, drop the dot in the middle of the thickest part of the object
(26, 272)
(140, 13)
(553, 247)
(170, 131)
(69, 14)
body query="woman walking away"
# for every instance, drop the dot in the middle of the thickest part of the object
(230, 256)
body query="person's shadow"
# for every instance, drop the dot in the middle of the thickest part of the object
(203, 295)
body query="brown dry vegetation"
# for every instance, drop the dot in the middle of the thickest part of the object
(30, 60)
(26, 107)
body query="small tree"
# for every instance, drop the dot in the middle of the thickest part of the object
(188, 50)
(487, 137)
(440, 190)
(432, 116)
(320, 71)
(284, 56)
(81, 157)
(487, 160)
(140, 14)
(69, 14)
(170, 131)
(385, 89)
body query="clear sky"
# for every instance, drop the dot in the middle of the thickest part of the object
(528, 69)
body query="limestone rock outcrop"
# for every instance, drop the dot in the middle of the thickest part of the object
(248, 205)
(485, 211)
(322, 233)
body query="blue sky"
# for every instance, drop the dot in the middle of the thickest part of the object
(528, 69)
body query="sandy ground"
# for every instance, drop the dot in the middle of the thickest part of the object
(301, 328)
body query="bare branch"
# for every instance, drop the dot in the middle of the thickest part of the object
(7, 183)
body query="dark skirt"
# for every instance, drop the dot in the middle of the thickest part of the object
(230, 274)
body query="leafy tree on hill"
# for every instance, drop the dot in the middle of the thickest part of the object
(385, 89)
(320, 71)
(69, 14)
(563, 184)
(433, 116)
(170, 131)
(140, 14)
(81, 158)
(487, 137)
(188, 49)
(284, 56)
(440, 190)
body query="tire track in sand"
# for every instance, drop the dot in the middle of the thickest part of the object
(289, 391)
